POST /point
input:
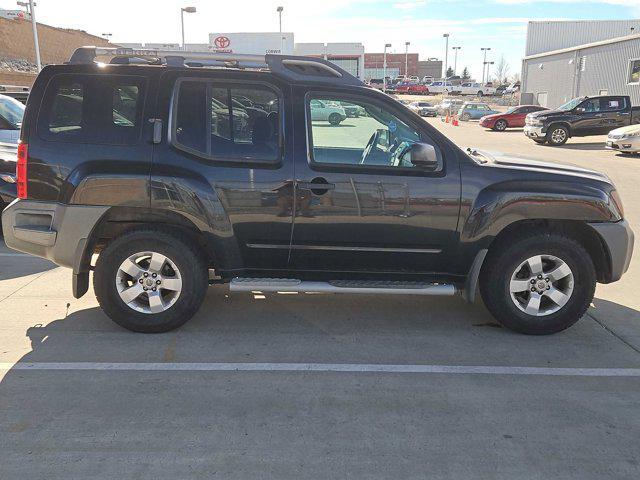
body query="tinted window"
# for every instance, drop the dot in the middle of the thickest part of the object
(612, 104)
(634, 71)
(375, 138)
(66, 112)
(238, 122)
(92, 109)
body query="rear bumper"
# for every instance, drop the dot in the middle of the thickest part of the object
(48, 230)
(618, 238)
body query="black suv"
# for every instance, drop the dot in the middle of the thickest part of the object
(184, 169)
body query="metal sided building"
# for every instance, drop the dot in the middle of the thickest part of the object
(565, 60)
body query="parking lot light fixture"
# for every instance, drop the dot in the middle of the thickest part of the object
(182, 12)
(484, 64)
(384, 67)
(455, 61)
(280, 10)
(446, 55)
(30, 6)
(406, 58)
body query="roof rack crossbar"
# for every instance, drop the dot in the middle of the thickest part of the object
(289, 67)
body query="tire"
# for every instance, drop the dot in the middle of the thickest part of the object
(480, 93)
(465, 117)
(577, 287)
(335, 119)
(557, 135)
(180, 252)
(500, 125)
(540, 141)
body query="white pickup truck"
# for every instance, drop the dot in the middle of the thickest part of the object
(474, 88)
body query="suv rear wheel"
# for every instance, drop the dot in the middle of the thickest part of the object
(335, 119)
(150, 281)
(538, 284)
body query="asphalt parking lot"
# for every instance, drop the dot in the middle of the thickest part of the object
(323, 386)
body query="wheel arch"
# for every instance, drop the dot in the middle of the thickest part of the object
(561, 123)
(577, 230)
(120, 220)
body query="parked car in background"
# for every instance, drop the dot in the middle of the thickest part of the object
(625, 139)
(412, 89)
(327, 112)
(581, 117)
(449, 105)
(514, 117)
(475, 88)
(424, 109)
(444, 87)
(427, 79)
(500, 89)
(474, 110)
(352, 110)
(513, 88)
(11, 113)
(376, 83)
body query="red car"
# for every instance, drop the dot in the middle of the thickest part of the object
(412, 89)
(514, 117)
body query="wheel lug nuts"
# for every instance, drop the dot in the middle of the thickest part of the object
(146, 274)
(548, 288)
(140, 280)
(154, 289)
(539, 276)
(154, 275)
(158, 282)
(533, 289)
(533, 281)
(546, 279)
(144, 288)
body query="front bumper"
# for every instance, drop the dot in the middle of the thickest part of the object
(533, 131)
(487, 123)
(618, 239)
(629, 145)
(50, 230)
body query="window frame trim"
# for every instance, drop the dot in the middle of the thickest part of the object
(367, 169)
(630, 70)
(42, 110)
(240, 160)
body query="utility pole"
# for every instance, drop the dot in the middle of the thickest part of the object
(107, 36)
(446, 55)
(484, 62)
(455, 62)
(31, 10)
(279, 10)
(406, 58)
(384, 68)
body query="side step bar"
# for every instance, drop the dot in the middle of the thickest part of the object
(340, 286)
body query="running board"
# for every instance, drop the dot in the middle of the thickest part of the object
(340, 286)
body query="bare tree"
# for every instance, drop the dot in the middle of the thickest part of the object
(502, 69)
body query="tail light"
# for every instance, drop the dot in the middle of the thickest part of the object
(21, 170)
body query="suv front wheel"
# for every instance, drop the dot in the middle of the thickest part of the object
(150, 281)
(538, 284)
(557, 135)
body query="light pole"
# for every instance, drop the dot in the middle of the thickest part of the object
(31, 10)
(446, 55)
(384, 68)
(182, 11)
(279, 10)
(406, 58)
(107, 36)
(455, 61)
(487, 67)
(484, 64)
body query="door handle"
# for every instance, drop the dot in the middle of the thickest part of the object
(318, 185)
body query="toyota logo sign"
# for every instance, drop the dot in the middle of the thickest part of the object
(222, 42)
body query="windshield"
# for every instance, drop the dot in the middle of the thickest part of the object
(571, 104)
(12, 110)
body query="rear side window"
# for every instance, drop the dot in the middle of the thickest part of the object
(92, 109)
(225, 122)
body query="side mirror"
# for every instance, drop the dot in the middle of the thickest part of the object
(424, 155)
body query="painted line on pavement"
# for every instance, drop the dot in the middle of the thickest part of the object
(324, 367)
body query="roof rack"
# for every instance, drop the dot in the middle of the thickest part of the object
(288, 67)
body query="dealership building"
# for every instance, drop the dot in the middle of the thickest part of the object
(568, 59)
(350, 56)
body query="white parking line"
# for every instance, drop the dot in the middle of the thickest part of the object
(324, 367)
(17, 255)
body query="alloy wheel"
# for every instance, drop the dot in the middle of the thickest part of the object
(558, 135)
(148, 282)
(541, 285)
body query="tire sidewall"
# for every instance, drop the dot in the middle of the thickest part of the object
(193, 275)
(550, 135)
(499, 301)
(501, 125)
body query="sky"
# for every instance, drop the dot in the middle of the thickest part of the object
(498, 24)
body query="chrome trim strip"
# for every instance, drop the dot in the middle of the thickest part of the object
(345, 249)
